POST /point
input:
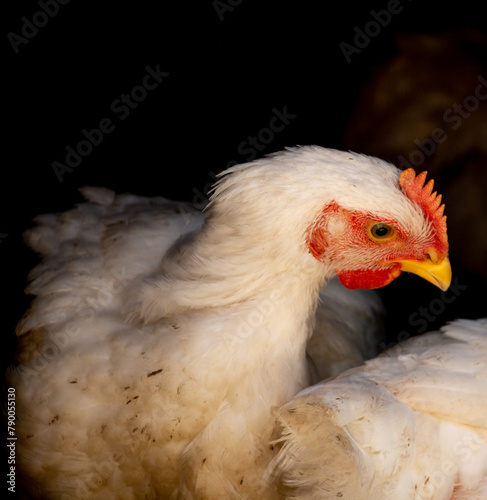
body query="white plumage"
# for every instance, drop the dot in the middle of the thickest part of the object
(160, 338)
(410, 424)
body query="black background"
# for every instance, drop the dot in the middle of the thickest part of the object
(227, 70)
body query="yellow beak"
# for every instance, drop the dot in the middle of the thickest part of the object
(438, 273)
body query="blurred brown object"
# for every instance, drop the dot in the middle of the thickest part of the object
(426, 108)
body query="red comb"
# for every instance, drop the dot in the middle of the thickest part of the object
(415, 189)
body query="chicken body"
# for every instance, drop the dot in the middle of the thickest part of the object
(159, 340)
(409, 424)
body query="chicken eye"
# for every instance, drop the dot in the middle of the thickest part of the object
(379, 231)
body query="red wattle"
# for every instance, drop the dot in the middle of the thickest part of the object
(368, 278)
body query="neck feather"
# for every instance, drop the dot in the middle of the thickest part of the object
(225, 265)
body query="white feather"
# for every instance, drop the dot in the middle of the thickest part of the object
(160, 338)
(409, 424)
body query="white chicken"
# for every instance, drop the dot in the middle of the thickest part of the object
(410, 424)
(158, 342)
